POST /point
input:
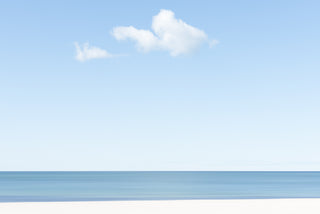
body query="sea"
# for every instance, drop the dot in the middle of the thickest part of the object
(156, 185)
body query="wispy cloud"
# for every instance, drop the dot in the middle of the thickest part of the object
(213, 43)
(86, 52)
(169, 34)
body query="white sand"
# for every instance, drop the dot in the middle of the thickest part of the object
(257, 206)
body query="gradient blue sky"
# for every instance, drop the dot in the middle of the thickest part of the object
(250, 103)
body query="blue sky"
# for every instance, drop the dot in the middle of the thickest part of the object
(250, 102)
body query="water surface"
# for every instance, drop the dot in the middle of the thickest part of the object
(104, 186)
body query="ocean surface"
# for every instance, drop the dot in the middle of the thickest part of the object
(105, 186)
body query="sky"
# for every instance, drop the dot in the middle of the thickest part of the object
(159, 85)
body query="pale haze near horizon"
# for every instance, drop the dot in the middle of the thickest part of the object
(250, 102)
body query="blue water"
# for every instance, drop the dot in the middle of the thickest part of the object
(104, 186)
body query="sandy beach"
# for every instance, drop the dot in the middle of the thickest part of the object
(254, 206)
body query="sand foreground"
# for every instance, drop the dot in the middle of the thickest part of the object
(253, 206)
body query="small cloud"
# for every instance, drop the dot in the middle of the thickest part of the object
(213, 43)
(87, 52)
(169, 34)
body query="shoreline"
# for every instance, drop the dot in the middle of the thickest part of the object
(157, 200)
(230, 206)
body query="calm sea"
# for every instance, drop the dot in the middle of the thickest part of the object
(104, 186)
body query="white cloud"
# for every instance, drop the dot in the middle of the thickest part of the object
(168, 34)
(87, 52)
